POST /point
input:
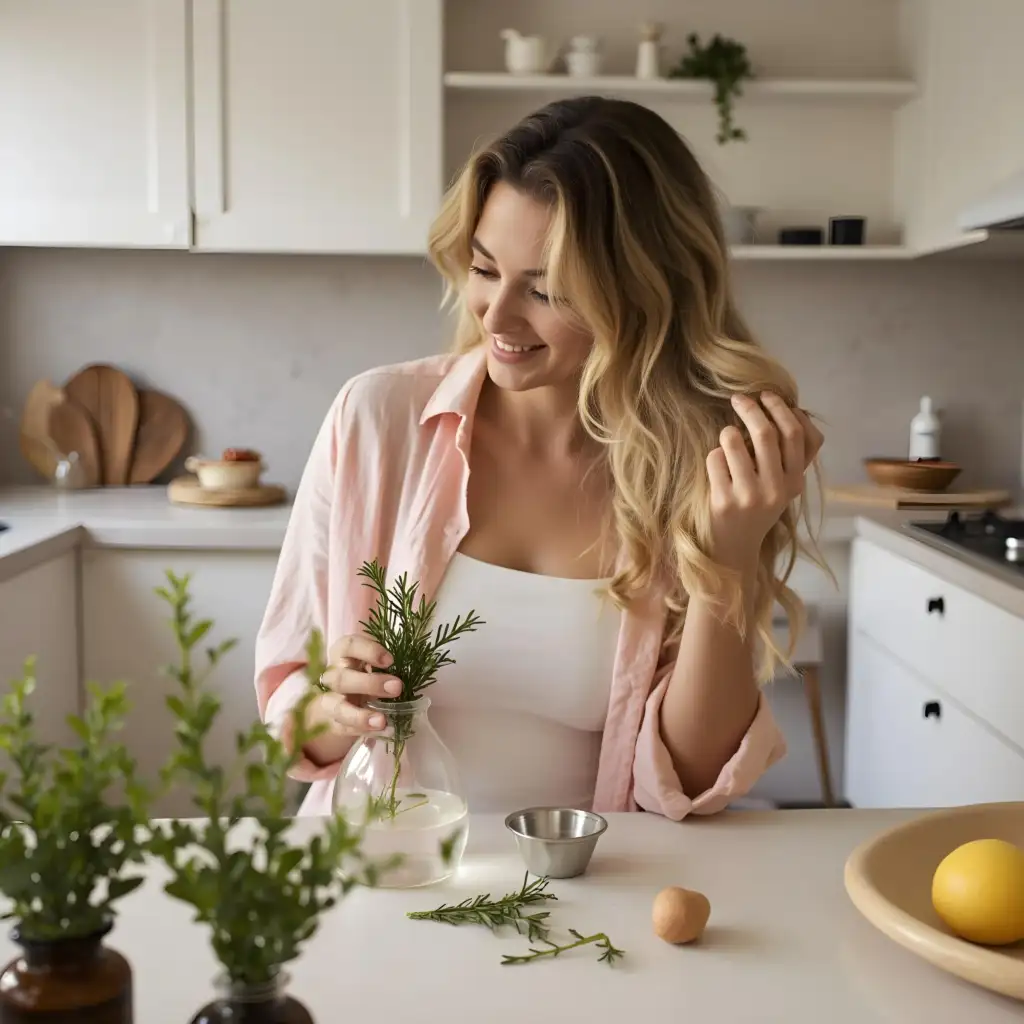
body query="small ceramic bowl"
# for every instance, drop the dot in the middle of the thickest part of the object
(224, 475)
(556, 842)
(912, 476)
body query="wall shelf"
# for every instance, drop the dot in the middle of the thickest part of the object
(822, 253)
(885, 92)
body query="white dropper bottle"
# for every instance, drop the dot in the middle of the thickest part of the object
(925, 432)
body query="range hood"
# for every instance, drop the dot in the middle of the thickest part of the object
(1001, 209)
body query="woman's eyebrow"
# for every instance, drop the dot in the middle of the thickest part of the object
(487, 256)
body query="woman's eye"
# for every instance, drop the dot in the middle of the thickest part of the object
(481, 272)
(540, 296)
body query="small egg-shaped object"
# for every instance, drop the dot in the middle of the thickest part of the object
(680, 915)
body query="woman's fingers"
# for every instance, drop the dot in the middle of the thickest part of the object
(813, 437)
(358, 682)
(718, 473)
(344, 718)
(791, 430)
(361, 649)
(741, 466)
(765, 437)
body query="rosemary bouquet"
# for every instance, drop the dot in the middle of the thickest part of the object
(401, 622)
(261, 893)
(72, 829)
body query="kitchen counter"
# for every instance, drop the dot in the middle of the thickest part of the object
(45, 522)
(784, 943)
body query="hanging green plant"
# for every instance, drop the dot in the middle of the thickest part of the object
(725, 64)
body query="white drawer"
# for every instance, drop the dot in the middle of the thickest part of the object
(910, 745)
(971, 649)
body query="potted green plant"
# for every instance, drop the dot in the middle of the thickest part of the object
(403, 778)
(725, 64)
(72, 845)
(260, 891)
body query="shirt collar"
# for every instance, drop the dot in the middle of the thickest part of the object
(459, 389)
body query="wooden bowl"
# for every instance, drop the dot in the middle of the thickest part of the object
(912, 476)
(889, 880)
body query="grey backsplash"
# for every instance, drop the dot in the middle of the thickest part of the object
(257, 346)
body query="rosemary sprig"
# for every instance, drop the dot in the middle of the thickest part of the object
(401, 625)
(609, 955)
(509, 911)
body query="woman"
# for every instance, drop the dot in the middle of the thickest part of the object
(577, 472)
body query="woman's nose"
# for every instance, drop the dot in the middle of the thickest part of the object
(500, 315)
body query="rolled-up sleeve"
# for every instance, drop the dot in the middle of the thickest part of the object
(298, 600)
(656, 785)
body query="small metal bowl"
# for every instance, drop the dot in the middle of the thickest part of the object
(556, 842)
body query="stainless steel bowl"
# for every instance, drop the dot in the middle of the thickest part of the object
(556, 842)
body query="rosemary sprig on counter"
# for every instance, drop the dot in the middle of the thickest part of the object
(610, 954)
(494, 914)
(510, 911)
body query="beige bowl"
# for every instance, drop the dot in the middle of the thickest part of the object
(889, 880)
(223, 475)
(912, 476)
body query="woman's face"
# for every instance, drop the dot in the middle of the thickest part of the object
(529, 345)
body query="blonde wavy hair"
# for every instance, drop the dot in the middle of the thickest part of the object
(637, 255)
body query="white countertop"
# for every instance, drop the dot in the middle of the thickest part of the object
(45, 521)
(784, 943)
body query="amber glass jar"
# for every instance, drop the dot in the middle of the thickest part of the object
(253, 1004)
(66, 981)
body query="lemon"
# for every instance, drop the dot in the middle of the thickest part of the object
(978, 890)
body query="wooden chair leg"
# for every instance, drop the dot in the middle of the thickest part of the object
(812, 691)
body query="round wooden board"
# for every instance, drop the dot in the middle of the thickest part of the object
(185, 490)
(889, 880)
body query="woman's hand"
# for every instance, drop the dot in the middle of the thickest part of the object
(352, 679)
(748, 495)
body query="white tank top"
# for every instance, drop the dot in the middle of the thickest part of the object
(523, 708)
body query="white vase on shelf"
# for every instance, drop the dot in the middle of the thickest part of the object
(648, 54)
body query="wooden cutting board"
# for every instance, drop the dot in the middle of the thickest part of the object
(897, 498)
(72, 430)
(161, 434)
(185, 490)
(34, 434)
(110, 398)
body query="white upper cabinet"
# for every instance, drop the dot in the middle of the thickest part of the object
(964, 134)
(93, 123)
(317, 124)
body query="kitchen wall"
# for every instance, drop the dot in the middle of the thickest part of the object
(256, 347)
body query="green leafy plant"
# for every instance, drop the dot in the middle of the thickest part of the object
(72, 830)
(261, 894)
(511, 911)
(725, 64)
(401, 624)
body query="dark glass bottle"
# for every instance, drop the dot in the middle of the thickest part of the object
(66, 981)
(253, 1004)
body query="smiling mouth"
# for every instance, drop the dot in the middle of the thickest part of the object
(505, 347)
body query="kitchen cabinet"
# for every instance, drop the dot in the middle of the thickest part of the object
(933, 712)
(317, 125)
(221, 125)
(39, 616)
(126, 635)
(93, 123)
(964, 134)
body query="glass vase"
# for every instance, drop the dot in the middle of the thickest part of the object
(240, 1003)
(401, 785)
(66, 981)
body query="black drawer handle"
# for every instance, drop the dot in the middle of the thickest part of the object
(933, 709)
(936, 604)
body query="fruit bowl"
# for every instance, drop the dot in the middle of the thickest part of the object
(889, 880)
(912, 476)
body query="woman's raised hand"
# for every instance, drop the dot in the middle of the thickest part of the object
(748, 495)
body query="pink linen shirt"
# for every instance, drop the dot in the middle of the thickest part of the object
(387, 478)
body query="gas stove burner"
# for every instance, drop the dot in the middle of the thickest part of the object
(986, 539)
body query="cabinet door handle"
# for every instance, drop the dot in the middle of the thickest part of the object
(936, 604)
(933, 709)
